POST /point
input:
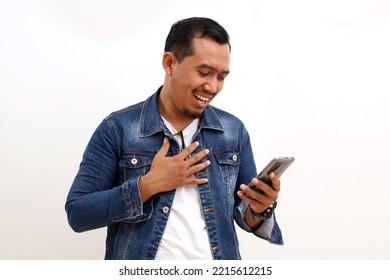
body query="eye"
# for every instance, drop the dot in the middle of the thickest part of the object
(203, 74)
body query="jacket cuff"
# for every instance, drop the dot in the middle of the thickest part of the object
(264, 231)
(136, 210)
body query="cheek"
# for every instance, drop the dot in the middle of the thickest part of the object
(220, 86)
(185, 83)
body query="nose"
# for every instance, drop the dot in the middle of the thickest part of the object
(211, 86)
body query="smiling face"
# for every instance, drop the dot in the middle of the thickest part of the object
(193, 83)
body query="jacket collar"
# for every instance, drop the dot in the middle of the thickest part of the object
(151, 121)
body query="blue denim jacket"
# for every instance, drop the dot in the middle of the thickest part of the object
(105, 190)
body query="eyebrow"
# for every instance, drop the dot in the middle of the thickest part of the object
(207, 66)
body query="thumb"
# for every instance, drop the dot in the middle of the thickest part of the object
(164, 148)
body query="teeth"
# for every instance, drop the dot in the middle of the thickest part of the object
(201, 98)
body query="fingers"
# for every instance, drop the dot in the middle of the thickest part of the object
(184, 161)
(164, 148)
(186, 153)
(258, 202)
(195, 164)
(262, 187)
(252, 195)
(190, 159)
(198, 167)
(275, 181)
(263, 193)
(196, 181)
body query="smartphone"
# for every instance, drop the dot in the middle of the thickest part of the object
(277, 165)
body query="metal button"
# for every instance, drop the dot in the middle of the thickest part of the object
(234, 157)
(165, 209)
(134, 161)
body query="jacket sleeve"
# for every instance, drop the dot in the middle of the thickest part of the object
(269, 229)
(95, 200)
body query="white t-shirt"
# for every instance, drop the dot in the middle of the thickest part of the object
(185, 236)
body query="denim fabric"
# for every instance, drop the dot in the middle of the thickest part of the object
(105, 190)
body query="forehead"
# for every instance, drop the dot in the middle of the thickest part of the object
(209, 52)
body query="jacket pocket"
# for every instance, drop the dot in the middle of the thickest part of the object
(228, 162)
(135, 164)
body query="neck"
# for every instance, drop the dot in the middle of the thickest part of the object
(177, 121)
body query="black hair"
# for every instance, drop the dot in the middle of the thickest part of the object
(182, 33)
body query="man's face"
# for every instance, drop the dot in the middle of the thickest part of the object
(199, 78)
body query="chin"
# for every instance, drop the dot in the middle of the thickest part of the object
(192, 114)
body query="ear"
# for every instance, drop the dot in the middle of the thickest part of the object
(169, 60)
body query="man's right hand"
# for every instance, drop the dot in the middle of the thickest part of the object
(168, 173)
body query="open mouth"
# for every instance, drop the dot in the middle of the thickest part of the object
(201, 98)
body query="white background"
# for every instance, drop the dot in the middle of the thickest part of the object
(310, 79)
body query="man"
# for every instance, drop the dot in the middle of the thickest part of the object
(168, 176)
